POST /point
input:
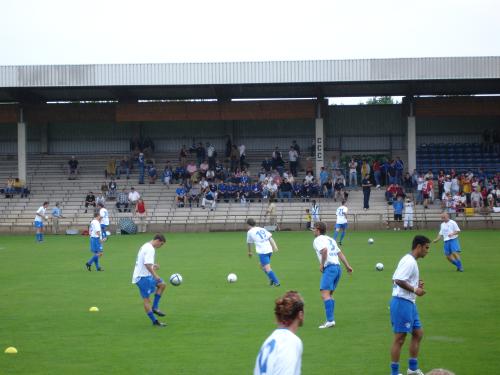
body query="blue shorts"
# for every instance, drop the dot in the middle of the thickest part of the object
(265, 259)
(147, 286)
(104, 227)
(404, 316)
(341, 226)
(38, 224)
(331, 277)
(451, 246)
(95, 245)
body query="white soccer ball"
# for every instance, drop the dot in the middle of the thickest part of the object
(176, 279)
(232, 278)
(371, 241)
(379, 266)
(46, 217)
(108, 233)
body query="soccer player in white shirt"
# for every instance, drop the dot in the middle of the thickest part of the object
(329, 256)
(341, 222)
(408, 219)
(103, 212)
(449, 232)
(147, 280)
(404, 314)
(95, 243)
(40, 216)
(264, 246)
(281, 353)
(314, 213)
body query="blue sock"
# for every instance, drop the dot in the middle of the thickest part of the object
(272, 277)
(41, 236)
(156, 301)
(454, 262)
(342, 236)
(335, 235)
(96, 261)
(459, 264)
(412, 364)
(151, 316)
(329, 309)
(37, 236)
(394, 368)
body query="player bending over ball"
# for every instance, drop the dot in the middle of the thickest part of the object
(281, 353)
(147, 280)
(264, 246)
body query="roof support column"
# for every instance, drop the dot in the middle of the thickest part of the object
(319, 141)
(21, 147)
(412, 143)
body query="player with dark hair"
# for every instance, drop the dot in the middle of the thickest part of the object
(341, 222)
(404, 314)
(281, 353)
(40, 216)
(96, 241)
(329, 256)
(147, 280)
(264, 246)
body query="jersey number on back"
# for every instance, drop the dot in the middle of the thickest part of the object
(264, 355)
(262, 234)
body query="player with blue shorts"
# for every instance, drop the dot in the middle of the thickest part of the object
(404, 314)
(264, 246)
(341, 224)
(329, 255)
(103, 212)
(96, 241)
(40, 216)
(449, 232)
(147, 280)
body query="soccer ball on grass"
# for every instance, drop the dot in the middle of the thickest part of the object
(371, 241)
(379, 266)
(175, 279)
(232, 278)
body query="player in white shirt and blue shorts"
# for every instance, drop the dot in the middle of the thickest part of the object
(147, 280)
(40, 216)
(95, 243)
(281, 352)
(404, 314)
(329, 256)
(341, 224)
(264, 246)
(103, 212)
(449, 232)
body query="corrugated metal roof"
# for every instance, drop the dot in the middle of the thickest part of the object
(270, 72)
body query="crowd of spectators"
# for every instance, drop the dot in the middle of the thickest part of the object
(14, 186)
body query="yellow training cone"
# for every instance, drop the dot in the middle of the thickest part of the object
(11, 350)
(93, 309)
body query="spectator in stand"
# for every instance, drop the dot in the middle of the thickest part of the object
(18, 186)
(339, 187)
(391, 173)
(384, 168)
(267, 165)
(211, 155)
(323, 176)
(271, 213)
(122, 201)
(426, 191)
(414, 180)
(397, 206)
(210, 196)
(123, 167)
(181, 196)
(133, 198)
(194, 195)
(166, 176)
(353, 174)
(365, 169)
(293, 157)
(234, 158)
(335, 166)
(104, 188)
(309, 178)
(408, 218)
(111, 195)
(9, 187)
(309, 165)
(420, 186)
(338, 175)
(328, 189)
(285, 190)
(191, 168)
(392, 192)
(308, 219)
(72, 168)
(377, 174)
(110, 170)
(90, 201)
(210, 175)
(180, 174)
(56, 215)
(446, 185)
(277, 161)
(141, 214)
(400, 166)
(440, 182)
(152, 173)
(204, 168)
(183, 154)
(141, 163)
(101, 200)
(296, 147)
(201, 153)
(408, 183)
(366, 185)
(243, 155)
(467, 188)
(477, 201)
(455, 185)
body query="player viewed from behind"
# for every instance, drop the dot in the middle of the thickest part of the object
(103, 212)
(341, 224)
(329, 255)
(147, 280)
(264, 246)
(40, 216)
(449, 232)
(96, 241)
(404, 314)
(281, 353)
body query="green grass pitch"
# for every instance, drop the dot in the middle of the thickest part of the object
(217, 328)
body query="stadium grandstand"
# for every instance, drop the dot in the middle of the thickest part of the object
(446, 130)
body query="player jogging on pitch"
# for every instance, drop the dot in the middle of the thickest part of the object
(341, 222)
(449, 232)
(96, 241)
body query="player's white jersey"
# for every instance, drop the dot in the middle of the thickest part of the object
(342, 214)
(408, 207)
(315, 212)
(40, 211)
(260, 237)
(104, 216)
(94, 228)
(281, 354)
(407, 270)
(447, 228)
(333, 250)
(145, 256)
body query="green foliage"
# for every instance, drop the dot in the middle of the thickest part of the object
(216, 327)
(380, 100)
